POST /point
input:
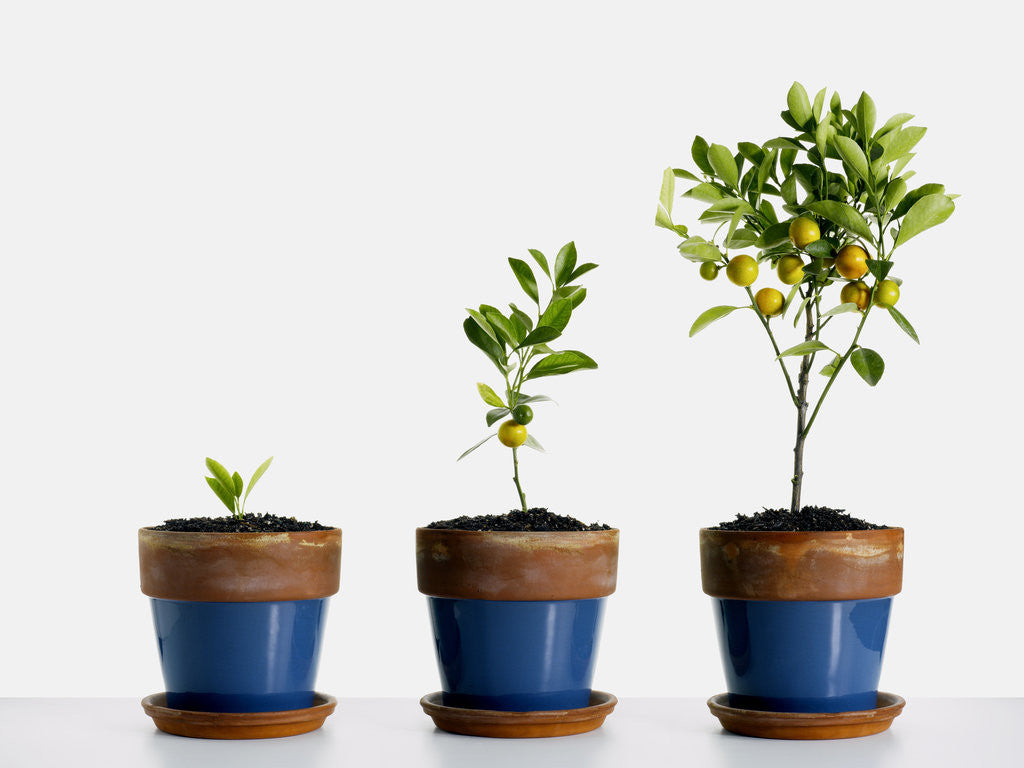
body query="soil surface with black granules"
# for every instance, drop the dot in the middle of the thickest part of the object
(537, 519)
(250, 523)
(807, 519)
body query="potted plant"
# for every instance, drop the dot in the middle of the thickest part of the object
(516, 600)
(239, 605)
(803, 594)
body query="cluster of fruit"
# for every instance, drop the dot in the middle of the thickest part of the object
(850, 262)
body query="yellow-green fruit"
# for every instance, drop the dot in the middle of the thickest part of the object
(803, 232)
(769, 301)
(742, 270)
(887, 293)
(856, 293)
(790, 269)
(709, 270)
(852, 262)
(512, 433)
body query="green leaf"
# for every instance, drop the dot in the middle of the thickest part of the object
(524, 318)
(830, 369)
(800, 309)
(541, 260)
(903, 323)
(789, 189)
(578, 297)
(866, 115)
(531, 442)
(699, 153)
(525, 277)
(847, 306)
(565, 263)
(724, 164)
(704, 192)
(260, 470)
(223, 493)
(926, 213)
(806, 348)
(765, 169)
(908, 202)
(868, 364)
(484, 342)
(581, 270)
(663, 216)
(496, 414)
(485, 326)
(236, 479)
(851, 153)
(533, 399)
(892, 123)
(789, 298)
(784, 143)
(895, 191)
(698, 249)
(556, 315)
(822, 134)
(846, 216)
(880, 269)
(900, 143)
(489, 395)
(799, 104)
(773, 235)
(468, 451)
(223, 476)
(540, 335)
(501, 325)
(679, 173)
(560, 363)
(707, 317)
(820, 249)
(819, 102)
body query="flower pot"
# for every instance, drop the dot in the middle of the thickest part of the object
(239, 617)
(516, 615)
(802, 616)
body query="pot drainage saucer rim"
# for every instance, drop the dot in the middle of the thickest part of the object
(519, 725)
(238, 725)
(807, 725)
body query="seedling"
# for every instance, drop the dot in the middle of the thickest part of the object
(517, 344)
(228, 485)
(838, 204)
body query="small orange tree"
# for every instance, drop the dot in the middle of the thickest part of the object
(842, 186)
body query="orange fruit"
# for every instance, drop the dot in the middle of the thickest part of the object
(742, 270)
(852, 262)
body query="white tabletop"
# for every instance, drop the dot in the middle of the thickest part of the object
(931, 733)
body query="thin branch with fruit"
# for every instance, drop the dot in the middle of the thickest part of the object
(854, 179)
(517, 344)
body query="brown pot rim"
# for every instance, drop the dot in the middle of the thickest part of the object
(802, 565)
(209, 566)
(516, 565)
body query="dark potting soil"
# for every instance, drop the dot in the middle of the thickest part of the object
(249, 523)
(807, 519)
(537, 519)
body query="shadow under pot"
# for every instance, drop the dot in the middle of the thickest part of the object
(802, 616)
(516, 615)
(239, 617)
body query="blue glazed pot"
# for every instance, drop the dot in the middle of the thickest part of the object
(239, 617)
(516, 656)
(802, 616)
(239, 657)
(516, 615)
(802, 656)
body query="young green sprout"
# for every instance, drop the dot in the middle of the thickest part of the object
(517, 344)
(228, 485)
(842, 187)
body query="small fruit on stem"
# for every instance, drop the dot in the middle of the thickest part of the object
(769, 301)
(512, 434)
(709, 270)
(742, 270)
(852, 262)
(887, 293)
(803, 232)
(790, 269)
(856, 293)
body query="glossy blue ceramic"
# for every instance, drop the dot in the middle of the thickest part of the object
(518, 656)
(239, 657)
(802, 656)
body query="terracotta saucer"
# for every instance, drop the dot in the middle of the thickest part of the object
(519, 725)
(238, 725)
(804, 725)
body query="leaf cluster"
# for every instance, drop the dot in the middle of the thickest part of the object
(517, 342)
(229, 487)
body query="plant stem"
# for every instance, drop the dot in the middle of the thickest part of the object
(515, 477)
(775, 346)
(835, 373)
(801, 410)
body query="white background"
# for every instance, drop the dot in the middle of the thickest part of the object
(243, 229)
